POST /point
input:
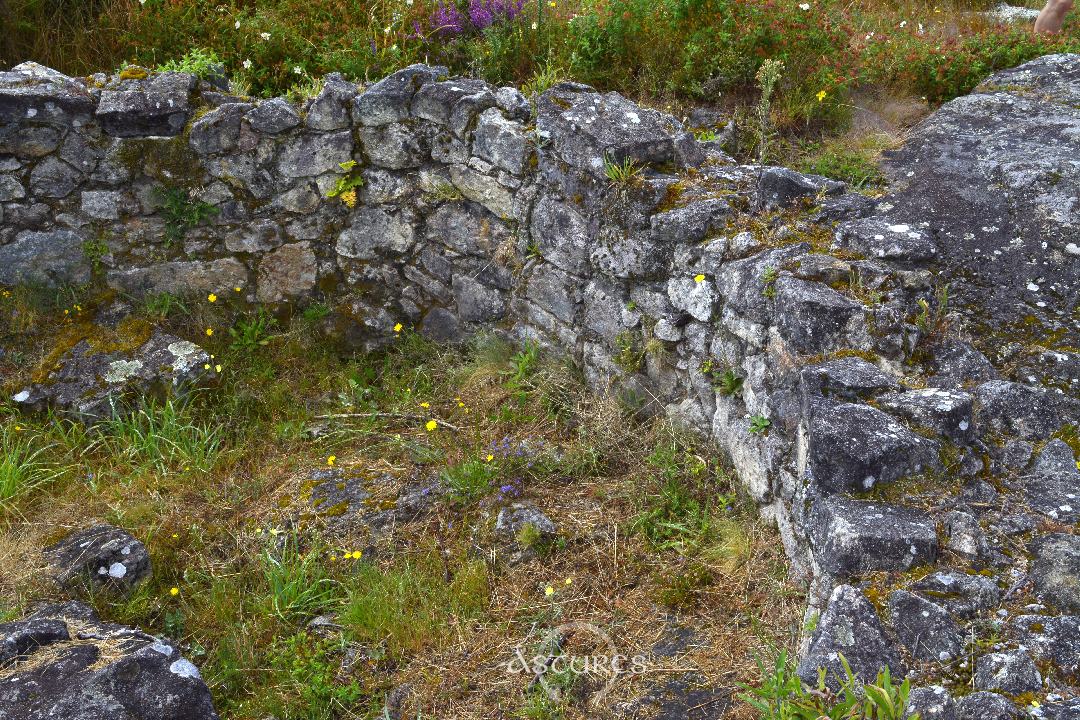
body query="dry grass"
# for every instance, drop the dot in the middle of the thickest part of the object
(207, 530)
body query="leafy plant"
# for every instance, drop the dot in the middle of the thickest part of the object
(162, 436)
(781, 695)
(345, 187)
(631, 352)
(200, 62)
(730, 383)
(768, 280)
(95, 251)
(182, 211)
(932, 320)
(767, 77)
(759, 424)
(249, 334)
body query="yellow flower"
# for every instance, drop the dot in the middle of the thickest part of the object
(333, 558)
(356, 554)
(236, 289)
(460, 404)
(549, 591)
(175, 536)
(431, 425)
(347, 556)
(206, 366)
(569, 581)
(699, 278)
(821, 95)
(397, 328)
(174, 591)
(490, 457)
(217, 368)
(349, 198)
(425, 405)
(211, 297)
(330, 460)
(209, 332)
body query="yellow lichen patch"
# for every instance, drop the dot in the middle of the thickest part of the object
(134, 72)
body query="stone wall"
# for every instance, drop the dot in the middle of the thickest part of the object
(799, 325)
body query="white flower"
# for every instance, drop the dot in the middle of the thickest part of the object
(804, 6)
(264, 36)
(409, 2)
(386, 30)
(920, 29)
(142, 2)
(247, 64)
(298, 70)
(534, 26)
(236, 24)
(903, 23)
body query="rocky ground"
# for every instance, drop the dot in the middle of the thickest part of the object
(896, 379)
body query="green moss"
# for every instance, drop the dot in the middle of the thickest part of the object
(170, 161)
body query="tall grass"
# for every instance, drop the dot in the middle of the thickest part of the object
(28, 461)
(662, 49)
(163, 437)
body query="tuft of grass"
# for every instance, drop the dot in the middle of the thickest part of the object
(27, 463)
(299, 585)
(624, 174)
(414, 603)
(163, 437)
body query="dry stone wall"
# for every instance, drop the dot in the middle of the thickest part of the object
(801, 326)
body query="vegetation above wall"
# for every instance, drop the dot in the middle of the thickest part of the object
(665, 50)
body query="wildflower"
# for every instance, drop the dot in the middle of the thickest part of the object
(552, 3)
(297, 70)
(533, 26)
(349, 198)
(903, 23)
(206, 366)
(804, 6)
(431, 425)
(175, 536)
(174, 591)
(237, 288)
(330, 460)
(397, 328)
(491, 457)
(699, 278)
(821, 95)
(247, 66)
(211, 297)
(386, 30)
(209, 332)
(549, 591)
(217, 368)
(275, 532)
(425, 404)
(333, 558)
(569, 581)
(264, 35)
(460, 404)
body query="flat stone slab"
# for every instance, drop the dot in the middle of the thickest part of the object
(854, 537)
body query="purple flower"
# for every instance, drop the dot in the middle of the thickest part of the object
(447, 21)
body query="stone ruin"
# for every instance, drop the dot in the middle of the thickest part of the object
(897, 379)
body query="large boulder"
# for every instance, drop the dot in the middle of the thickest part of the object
(995, 175)
(63, 662)
(102, 368)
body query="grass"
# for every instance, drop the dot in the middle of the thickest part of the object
(667, 51)
(217, 485)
